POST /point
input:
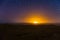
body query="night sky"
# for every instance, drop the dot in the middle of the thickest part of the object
(19, 10)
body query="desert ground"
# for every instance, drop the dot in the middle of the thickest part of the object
(29, 32)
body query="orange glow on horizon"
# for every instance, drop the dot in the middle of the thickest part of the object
(34, 17)
(36, 20)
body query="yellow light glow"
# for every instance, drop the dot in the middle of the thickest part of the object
(36, 19)
(35, 22)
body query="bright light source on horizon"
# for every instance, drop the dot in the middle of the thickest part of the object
(35, 19)
(35, 22)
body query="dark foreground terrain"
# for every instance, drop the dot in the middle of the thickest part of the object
(29, 32)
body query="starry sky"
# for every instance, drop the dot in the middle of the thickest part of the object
(19, 10)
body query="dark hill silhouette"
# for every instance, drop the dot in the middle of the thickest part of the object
(26, 31)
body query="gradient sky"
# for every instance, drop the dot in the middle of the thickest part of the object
(18, 10)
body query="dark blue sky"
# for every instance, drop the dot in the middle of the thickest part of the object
(12, 10)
